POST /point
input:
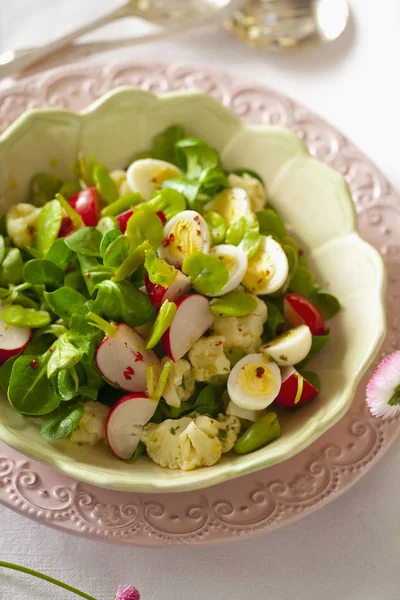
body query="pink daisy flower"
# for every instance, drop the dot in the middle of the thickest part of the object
(127, 592)
(383, 390)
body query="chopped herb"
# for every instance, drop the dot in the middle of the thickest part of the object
(222, 434)
(173, 430)
(283, 357)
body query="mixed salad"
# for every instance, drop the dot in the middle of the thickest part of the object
(163, 308)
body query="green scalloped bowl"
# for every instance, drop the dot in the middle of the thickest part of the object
(312, 198)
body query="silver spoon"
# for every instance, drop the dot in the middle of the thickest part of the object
(173, 16)
(287, 24)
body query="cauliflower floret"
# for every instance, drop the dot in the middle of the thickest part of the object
(119, 178)
(180, 384)
(190, 442)
(92, 426)
(20, 222)
(208, 359)
(252, 186)
(242, 332)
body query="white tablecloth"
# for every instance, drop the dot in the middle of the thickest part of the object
(349, 550)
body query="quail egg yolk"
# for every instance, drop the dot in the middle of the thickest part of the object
(162, 175)
(184, 239)
(259, 271)
(257, 380)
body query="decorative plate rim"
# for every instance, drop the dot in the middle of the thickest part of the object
(275, 496)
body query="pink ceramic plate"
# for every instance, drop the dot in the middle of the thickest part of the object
(267, 499)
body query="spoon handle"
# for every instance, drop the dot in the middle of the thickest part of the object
(12, 62)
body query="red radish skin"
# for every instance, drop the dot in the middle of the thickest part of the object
(192, 319)
(158, 293)
(13, 340)
(287, 393)
(66, 227)
(125, 423)
(123, 359)
(123, 219)
(162, 217)
(300, 311)
(86, 204)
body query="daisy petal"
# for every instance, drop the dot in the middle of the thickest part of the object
(127, 592)
(383, 389)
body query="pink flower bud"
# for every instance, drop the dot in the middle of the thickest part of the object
(127, 592)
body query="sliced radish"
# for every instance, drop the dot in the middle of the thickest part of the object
(254, 382)
(13, 340)
(295, 390)
(86, 204)
(298, 310)
(123, 219)
(122, 359)
(125, 423)
(66, 228)
(242, 413)
(158, 293)
(291, 347)
(192, 319)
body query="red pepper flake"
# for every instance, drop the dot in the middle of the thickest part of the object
(126, 344)
(260, 371)
(88, 275)
(218, 343)
(168, 240)
(240, 329)
(197, 219)
(34, 364)
(179, 248)
(198, 232)
(51, 350)
(259, 280)
(128, 373)
(139, 357)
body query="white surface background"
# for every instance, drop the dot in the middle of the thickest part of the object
(349, 550)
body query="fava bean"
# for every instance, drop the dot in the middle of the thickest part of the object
(104, 184)
(261, 433)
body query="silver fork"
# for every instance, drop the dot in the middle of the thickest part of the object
(174, 16)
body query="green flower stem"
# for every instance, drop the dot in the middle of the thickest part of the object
(108, 328)
(60, 584)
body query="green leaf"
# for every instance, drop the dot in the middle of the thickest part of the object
(209, 276)
(140, 450)
(67, 384)
(5, 373)
(25, 317)
(217, 226)
(43, 188)
(303, 282)
(318, 343)
(64, 301)
(88, 392)
(74, 280)
(271, 223)
(85, 241)
(64, 356)
(69, 189)
(44, 272)
(48, 225)
(79, 321)
(60, 254)
(63, 423)
(158, 270)
(250, 172)
(2, 248)
(12, 267)
(104, 184)
(275, 320)
(116, 252)
(312, 378)
(207, 402)
(93, 272)
(123, 303)
(164, 144)
(163, 320)
(30, 391)
(245, 232)
(233, 304)
(144, 225)
(132, 262)
(326, 303)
